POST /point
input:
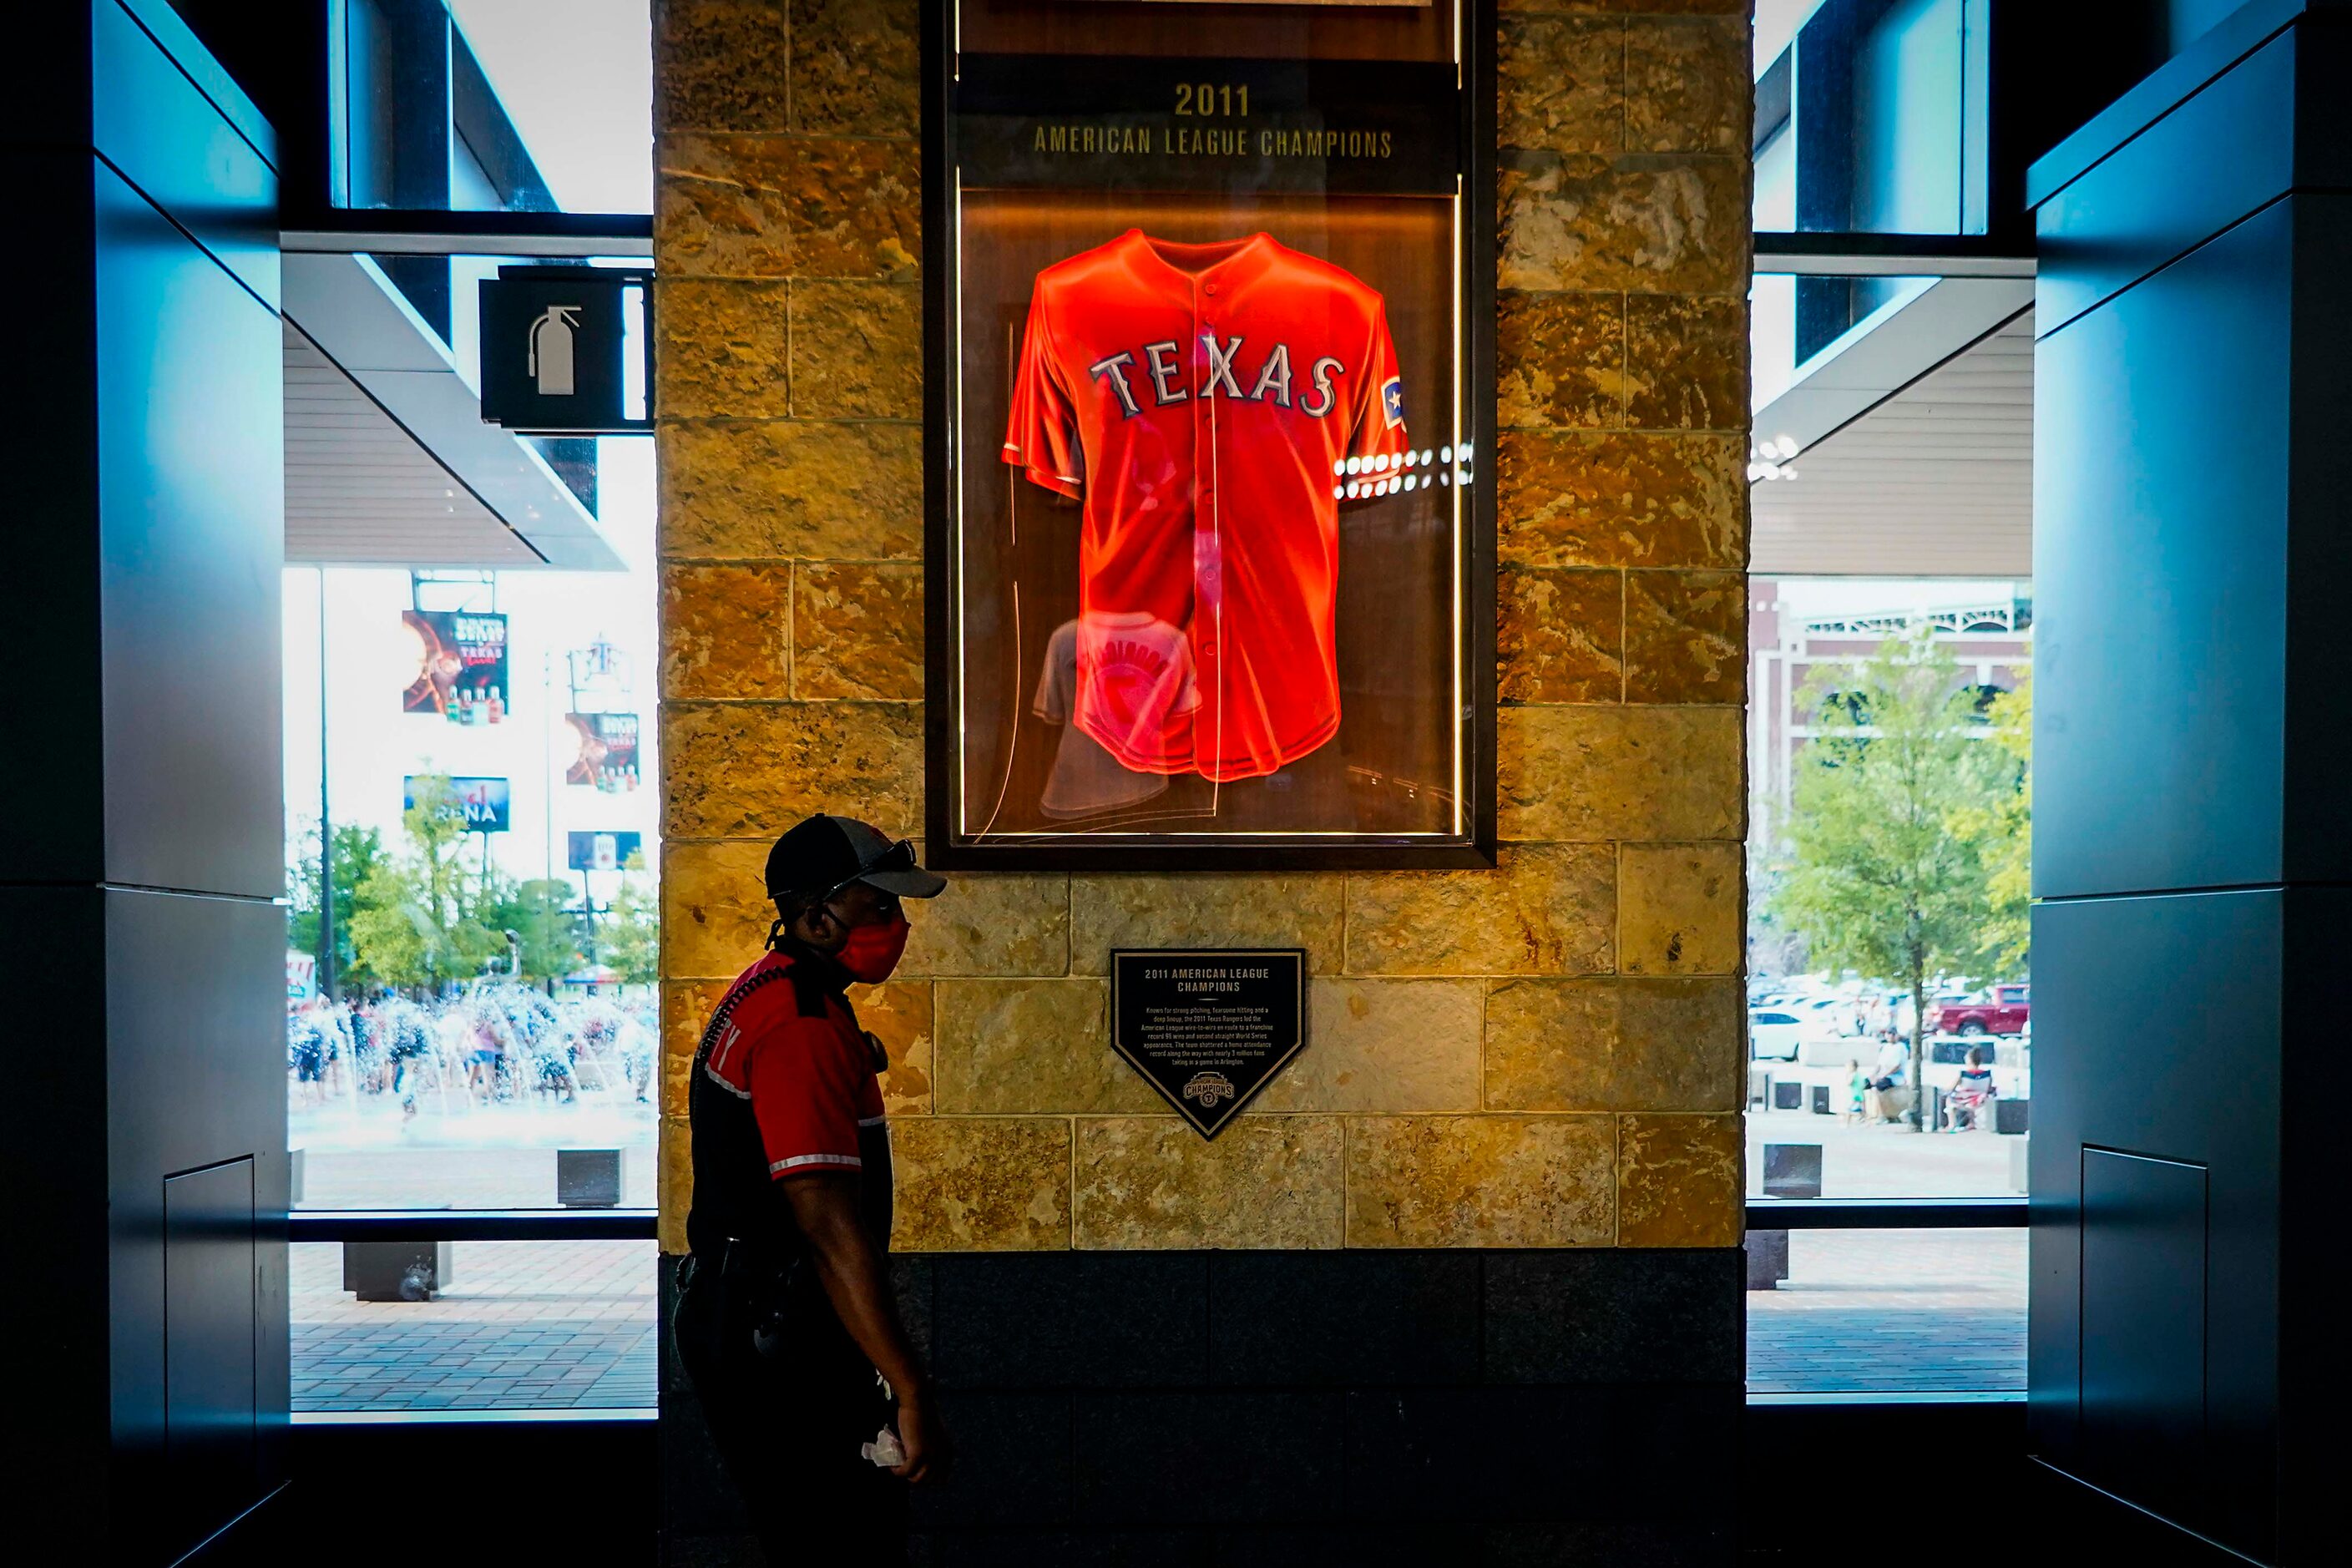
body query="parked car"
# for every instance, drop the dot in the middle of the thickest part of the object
(1774, 1035)
(1826, 1015)
(2001, 1010)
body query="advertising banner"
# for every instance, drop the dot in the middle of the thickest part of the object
(487, 804)
(603, 851)
(461, 665)
(608, 752)
(301, 980)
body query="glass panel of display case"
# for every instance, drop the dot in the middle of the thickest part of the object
(1208, 444)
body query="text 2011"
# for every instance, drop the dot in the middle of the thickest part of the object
(1213, 100)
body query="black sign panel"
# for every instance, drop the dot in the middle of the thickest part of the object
(1131, 123)
(555, 350)
(1208, 1029)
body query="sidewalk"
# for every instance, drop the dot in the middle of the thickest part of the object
(1893, 1311)
(534, 1325)
(1872, 1161)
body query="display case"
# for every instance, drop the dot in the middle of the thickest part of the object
(1209, 406)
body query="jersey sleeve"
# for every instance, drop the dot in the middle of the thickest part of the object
(1040, 437)
(1378, 418)
(809, 1091)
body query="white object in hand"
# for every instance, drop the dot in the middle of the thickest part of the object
(885, 1451)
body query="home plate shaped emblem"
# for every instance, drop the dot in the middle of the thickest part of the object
(1208, 1028)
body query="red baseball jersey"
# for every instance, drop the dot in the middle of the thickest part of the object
(1212, 406)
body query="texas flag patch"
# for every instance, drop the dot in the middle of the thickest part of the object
(1392, 401)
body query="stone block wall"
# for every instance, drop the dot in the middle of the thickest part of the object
(1547, 1055)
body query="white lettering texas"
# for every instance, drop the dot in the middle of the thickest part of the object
(1154, 369)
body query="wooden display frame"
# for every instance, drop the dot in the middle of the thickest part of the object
(1468, 550)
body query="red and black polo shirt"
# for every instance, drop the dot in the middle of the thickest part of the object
(784, 1085)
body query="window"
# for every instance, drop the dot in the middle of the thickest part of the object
(473, 827)
(1870, 116)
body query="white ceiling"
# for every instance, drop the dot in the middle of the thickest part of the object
(1936, 480)
(361, 490)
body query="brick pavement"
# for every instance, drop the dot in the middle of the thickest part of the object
(553, 1325)
(523, 1325)
(1909, 1311)
(541, 1325)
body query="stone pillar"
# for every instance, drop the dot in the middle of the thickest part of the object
(1502, 1183)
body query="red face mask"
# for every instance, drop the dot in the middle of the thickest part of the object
(872, 952)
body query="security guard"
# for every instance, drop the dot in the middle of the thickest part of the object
(785, 1321)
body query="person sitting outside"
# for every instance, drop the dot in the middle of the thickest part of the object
(1973, 1092)
(1890, 1083)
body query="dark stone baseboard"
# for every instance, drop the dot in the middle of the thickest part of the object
(1236, 1408)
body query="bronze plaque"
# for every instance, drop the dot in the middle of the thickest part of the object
(1208, 1028)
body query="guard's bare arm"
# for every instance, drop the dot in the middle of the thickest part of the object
(825, 1207)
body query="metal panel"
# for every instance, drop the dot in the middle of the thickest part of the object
(2190, 176)
(54, 1163)
(2143, 1280)
(2161, 577)
(171, 143)
(52, 460)
(191, 526)
(194, 1079)
(2318, 747)
(2157, 1027)
(210, 1411)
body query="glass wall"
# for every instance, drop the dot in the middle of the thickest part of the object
(532, 1327)
(1892, 1313)
(488, 996)
(1889, 825)
(473, 828)
(491, 105)
(1870, 116)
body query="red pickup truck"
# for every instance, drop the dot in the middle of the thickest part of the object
(2002, 1011)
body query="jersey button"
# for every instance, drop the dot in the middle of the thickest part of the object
(1209, 289)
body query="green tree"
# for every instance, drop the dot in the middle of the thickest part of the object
(630, 938)
(546, 929)
(1885, 875)
(419, 924)
(2005, 828)
(358, 852)
(1772, 947)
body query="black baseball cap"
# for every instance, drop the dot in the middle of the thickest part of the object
(825, 854)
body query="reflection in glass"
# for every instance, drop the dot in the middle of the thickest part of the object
(1211, 315)
(1088, 779)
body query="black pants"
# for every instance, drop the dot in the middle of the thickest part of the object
(789, 1426)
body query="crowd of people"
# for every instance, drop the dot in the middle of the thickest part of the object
(494, 1043)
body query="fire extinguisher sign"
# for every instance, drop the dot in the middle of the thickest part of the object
(568, 351)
